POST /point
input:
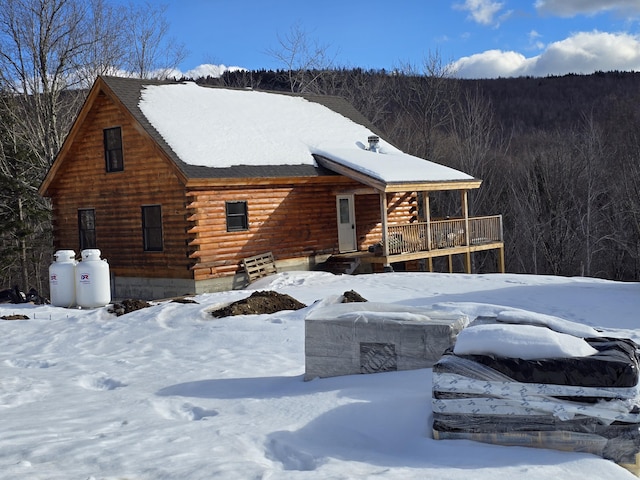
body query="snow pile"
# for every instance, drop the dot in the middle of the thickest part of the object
(520, 341)
(522, 317)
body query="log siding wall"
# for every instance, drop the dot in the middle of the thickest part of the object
(117, 198)
(402, 208)
(290, 221)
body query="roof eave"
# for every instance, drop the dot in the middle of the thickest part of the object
(197, 183)
(68, 141)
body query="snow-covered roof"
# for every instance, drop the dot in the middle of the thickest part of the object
(221, 128)
(390, 165)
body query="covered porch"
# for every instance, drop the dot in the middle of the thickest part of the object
(417, 237)
(440, 238)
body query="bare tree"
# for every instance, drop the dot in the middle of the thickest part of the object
(423, 97)
(477, 147)
(150, 53)
(593, 198)
(475, 144)
(50, 51)
(105, 45)
(545, 204)
(367, 91)
(305, 60)
(35, 57)
(624, 217)
(41, 44)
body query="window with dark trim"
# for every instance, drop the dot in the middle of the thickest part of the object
(113, 149)
(87, 228)
(152, 228)
(237, 216)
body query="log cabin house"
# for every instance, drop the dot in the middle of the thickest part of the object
(177, 183)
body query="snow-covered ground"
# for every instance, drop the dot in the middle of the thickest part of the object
(169, 392)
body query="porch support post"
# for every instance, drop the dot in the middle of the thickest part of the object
(450, 263)
(467, 235)
(426, 207)
(465, 214)
(501, 268)
(501, 259)
(385, 230)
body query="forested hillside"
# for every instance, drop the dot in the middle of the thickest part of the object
(559, 156)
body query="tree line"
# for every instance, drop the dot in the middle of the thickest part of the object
(559, 156)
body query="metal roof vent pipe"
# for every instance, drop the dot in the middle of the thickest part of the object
(374, 143)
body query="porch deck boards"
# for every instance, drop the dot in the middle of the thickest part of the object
(373, 258)
(368, 257)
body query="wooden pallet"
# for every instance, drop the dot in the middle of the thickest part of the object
(574, 442)
(633, 467)
(259, 266)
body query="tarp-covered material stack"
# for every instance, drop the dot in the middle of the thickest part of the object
(551, 385)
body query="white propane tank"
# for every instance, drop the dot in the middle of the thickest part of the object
(62, 286)
(93, 288)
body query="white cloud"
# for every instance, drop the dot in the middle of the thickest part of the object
(206, 70)
(490, 64)
(534, 40)
(481, 11)
(583, 53)
(570, 8)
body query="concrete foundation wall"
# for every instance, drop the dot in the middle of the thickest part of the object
(150, 288)
(156, 288)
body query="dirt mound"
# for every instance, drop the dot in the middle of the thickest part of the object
(352, 296)
(259, 302)
(14, 317)
(183, 300)
(128, 306)
(271, 302)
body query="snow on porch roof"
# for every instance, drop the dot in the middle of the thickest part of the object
(393, 170)
(222, 128)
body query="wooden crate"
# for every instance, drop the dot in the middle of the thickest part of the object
(553, 440)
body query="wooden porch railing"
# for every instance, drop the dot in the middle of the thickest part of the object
(414, 237)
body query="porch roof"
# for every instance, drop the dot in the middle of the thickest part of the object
(394, 171)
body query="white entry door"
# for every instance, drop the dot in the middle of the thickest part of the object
(346, 223)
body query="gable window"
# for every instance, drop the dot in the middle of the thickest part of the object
(87, 228)
(113, 149)
(237, 216)
(152, 228)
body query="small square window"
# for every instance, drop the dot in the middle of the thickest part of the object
(87, 228)
(237, 216)
(152, 228)
(113, 149)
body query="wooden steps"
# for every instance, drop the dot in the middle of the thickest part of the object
(340, 265)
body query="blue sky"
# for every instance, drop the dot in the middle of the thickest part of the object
(479, 38)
